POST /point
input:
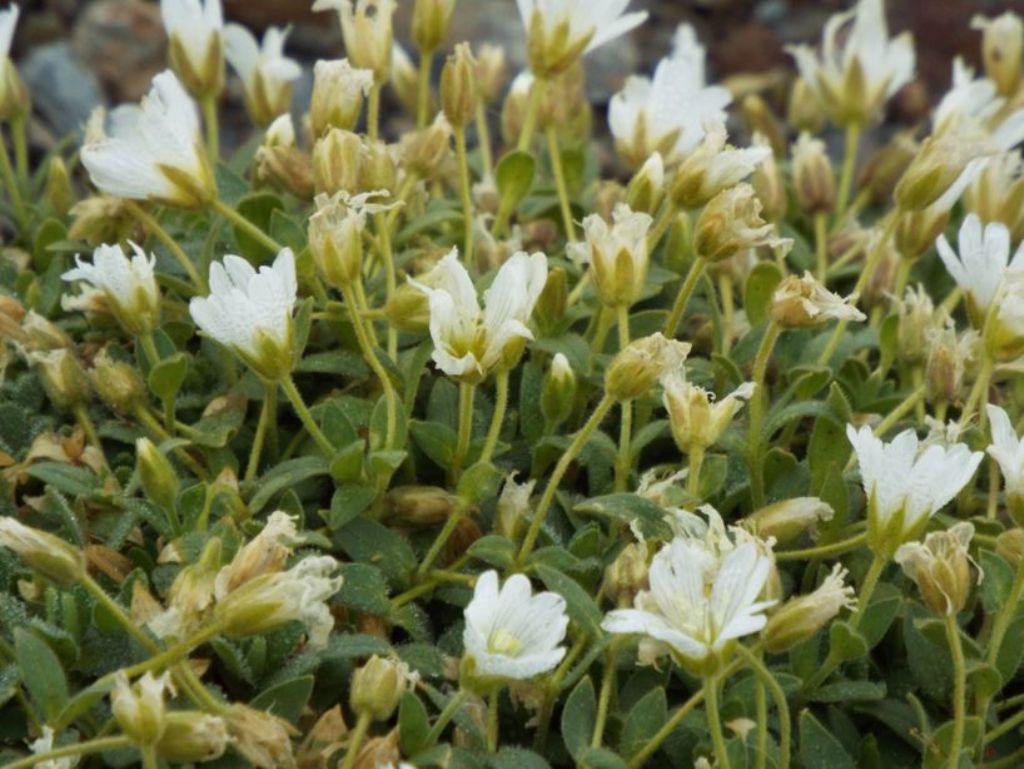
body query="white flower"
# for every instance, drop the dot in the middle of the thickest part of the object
(44, 745)
(686, 47)
(263, 554)
(983, 261)
(49, 555)
(802, 302)
(696, 418)
(713, 166)
(470, 342)
(907, 482)
(128, 284)
(368, 32)
(195, 30)
(338, 92)
(974, 106)
(281, 132)
(560, 31)
(801, 617)
(853, 79)
(154, 150)
(250, 312)
(266, 73)
(617, 254)
(139, 709)
(665, 113)
(511, 634)
(8, 22)
(270, 600)
(1007, 450)
(13, 97)
(704, 595)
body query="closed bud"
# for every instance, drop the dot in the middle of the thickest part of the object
(761, 121)
(558, 391)
(804, 112)
(367, 28)
(338, 93)
(802, 302)
(1002, 46)
(696, 418)
(512, 508)
(730, 223)
(553, 300)
(408, 309)
(14, 96)
(262, 738)
(916, 318)
(513, 109)
(459, 90)
(404, 80)
(58, 192)
(916, 231)
(1010, 547)
(430, 21)
(787, 520)
(802, 617)
(191, 737)
(62, 377)
(646, 189)
(636, 369)
(491, 71)
(378, 686)
(947, 357)
(769, 184)
(814, 182)
(885, 167)
(426, 151)
(421, 505)
(41, 334)
(941, 567)
(627, 574)
(100, 219)
(378, 171)
(287, 166)
(139, 709)
(48, 556)
(336, 240)
(118, 384)
(937, 173)
(156, 474)
(337, 156)
(998, 194)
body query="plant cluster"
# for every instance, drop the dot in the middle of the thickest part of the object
(460, 449)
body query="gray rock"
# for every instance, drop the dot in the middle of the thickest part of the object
(64, 91)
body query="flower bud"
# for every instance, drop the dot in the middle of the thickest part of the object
(265, 553)
(804, 112)
(58, 192)
(813, 179)
(377, 171)
(884, 168)
(617, 254)
(761, 121)
(491, 71)
(287, 166)
(117, 383)
(62, 377)
(730, 223)
(802, 617)
(513, 507)
(947, 357)
(646, 189)
(191, 737)
(558, 392)
(459, 90)
(916, 231)
(41, 334)
(48, 556)
(1002, 46)
(407, 309)
(785, 521)
(156, 474)
(636, 369)
(421, 505)
(426, 151)
(551, 305)
(404, 80)
(430, 21)
(998, 194)
(139, 710)
(916, 317)
(1004, 338)
(337, 156)
(338, 93)
(101, 219)
(937, 173)
(627, 574)
(802, 302)
(941, 567)
(262, 739)
(514, 108)
(696, 419)
(336, 240)
(367, 28)
(769, 183)
(1010, 547)
(378, 686)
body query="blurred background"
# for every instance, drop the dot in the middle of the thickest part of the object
(76, 54)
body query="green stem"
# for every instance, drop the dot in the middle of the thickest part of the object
(356, 741)
(822, 551)
(267, 417)
(483, 137)
(1005, 727)
(209, 105)
(725, 291)
(652, 745)
(246, 226)
(849, 165)
(89, 428)
(530, 120)
(560, 185)
(959, 690)
(1002, 624)
(466, 393)
(661, 225)
(149, 348)
(756, 664)
(152, 424)
(295, 398)
(579, 441)
(149, 760)
(821, 245)
(154, 227)
(679, 306)
(623, 461)
(13, 189)
(715, 721)
(373, 112)
(696, 455)
(112, 606)
(498, 419)
(467, 195)
(97, 745)
(755, 440)
(605, 698)
(423, 90)
(442, 538)
(454, 703)
(387, 256)
(979, 391)
(905, 407)
(492, 721)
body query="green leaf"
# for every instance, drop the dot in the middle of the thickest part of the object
(880, 613)
(367, 541)
(258, 208)
(166, 377)
(363, 589)
(74, 481)
(348, 502)
(936, 754)
(413, 724)
(600, 758)
(517, 758)
(846, 642)
(41, 673)
(579, 604)
(514, 177)
(287, 699)
(479, 482)
(818, 748)
(337, 362)
(849, 691)
(998, 581)
(495, 550)
(436, 440)
(578, 717)
(757, 294)
(630, 508)
(1011, 652)
(286, 475)
(645, 718)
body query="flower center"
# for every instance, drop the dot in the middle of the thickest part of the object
(503, 642)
